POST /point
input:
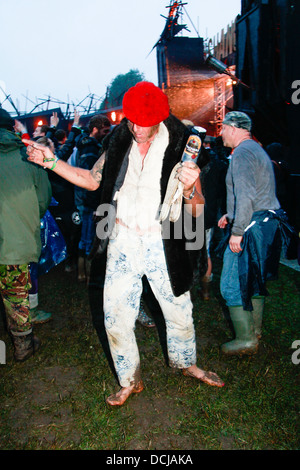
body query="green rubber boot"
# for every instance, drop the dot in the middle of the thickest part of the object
(39, 316)
(258, 310)
(245, 341)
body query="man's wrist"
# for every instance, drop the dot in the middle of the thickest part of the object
(54, 163)
(51, 164)
(191, 193)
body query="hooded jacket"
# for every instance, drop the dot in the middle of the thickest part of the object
(25, 194)
(182, 264)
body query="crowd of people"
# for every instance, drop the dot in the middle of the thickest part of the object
(109, 185)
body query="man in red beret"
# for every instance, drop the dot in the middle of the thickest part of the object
(133, 170)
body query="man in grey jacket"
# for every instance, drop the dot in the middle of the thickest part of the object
(25, 194)
(250, 193)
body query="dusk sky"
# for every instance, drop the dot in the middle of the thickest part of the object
(69, 49)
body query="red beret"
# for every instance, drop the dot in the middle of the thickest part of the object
(145, 104)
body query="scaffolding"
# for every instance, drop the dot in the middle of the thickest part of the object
(219, 100)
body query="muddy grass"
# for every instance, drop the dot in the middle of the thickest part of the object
(56, 400)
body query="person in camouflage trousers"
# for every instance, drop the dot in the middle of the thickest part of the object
(15, 285)
(25, 194)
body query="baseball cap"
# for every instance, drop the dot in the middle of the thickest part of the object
(238, 119)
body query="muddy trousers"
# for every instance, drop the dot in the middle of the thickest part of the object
(14, 288)
(131, 256)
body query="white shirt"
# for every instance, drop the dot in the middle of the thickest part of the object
(138, 201)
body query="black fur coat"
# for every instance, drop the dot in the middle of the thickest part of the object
(182, 264)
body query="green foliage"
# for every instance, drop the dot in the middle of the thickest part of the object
(118, 87)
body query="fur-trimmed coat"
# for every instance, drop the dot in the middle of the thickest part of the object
(182, 264)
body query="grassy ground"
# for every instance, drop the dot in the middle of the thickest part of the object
(56, 400)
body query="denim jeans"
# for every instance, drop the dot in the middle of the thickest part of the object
(88, 230)
(230, 284)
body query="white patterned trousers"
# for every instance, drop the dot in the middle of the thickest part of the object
(131, 256)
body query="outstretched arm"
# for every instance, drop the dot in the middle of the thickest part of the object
(43, 156)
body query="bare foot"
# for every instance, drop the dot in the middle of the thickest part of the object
(119, 398)
(209, 378)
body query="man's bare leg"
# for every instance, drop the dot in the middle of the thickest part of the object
(209, 378)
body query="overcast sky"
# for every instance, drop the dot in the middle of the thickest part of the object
(69, 49)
